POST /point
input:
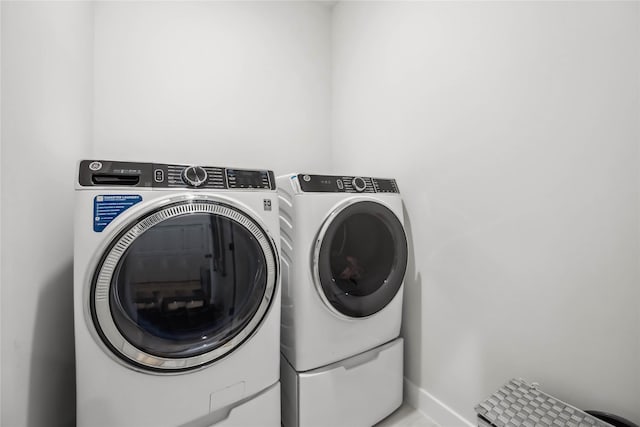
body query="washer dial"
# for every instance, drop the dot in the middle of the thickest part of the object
(359, 184)
(194, 176)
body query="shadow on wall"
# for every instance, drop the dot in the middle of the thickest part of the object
(412, 311)
(52, 384)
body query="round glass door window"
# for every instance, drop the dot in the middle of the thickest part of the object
(183, 286)
(360, 259)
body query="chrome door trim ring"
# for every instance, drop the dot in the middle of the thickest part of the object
(100, 311)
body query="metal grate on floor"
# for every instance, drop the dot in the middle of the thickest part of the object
(518, 404)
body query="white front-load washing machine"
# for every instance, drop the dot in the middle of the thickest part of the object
(176, 295)
(344, 256)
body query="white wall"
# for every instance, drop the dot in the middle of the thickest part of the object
(237, 83)
(513, 129)
(0, 217)
(230, 84)
(46, 117)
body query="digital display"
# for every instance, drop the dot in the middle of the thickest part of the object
(386, 185)
(319, 183)
(246, 179)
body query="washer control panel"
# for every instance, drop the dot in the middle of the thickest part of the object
(346, 184)
(100, 173)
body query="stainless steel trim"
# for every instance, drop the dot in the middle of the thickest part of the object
(173, 207)
(315, 253)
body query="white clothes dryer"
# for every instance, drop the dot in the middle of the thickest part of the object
(344, 256)
(176, 295)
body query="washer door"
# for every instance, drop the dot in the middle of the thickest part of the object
(183, 285)
(360, 258)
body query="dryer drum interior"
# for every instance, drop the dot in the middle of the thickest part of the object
(360, 259)
(183, 285)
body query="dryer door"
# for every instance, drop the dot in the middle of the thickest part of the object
(360, 258)
(183, 285)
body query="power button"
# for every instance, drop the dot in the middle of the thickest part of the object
(158, 175)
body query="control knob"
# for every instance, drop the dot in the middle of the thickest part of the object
(359, 184)
(194, 176)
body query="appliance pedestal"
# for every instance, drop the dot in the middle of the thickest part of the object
(354, 392)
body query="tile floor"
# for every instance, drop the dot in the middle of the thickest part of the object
(406, 416)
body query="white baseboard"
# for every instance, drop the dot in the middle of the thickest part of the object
(433, 408)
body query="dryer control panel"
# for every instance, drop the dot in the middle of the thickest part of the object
(346, 184)
(102, 173)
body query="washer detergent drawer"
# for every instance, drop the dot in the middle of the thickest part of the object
(359, 391)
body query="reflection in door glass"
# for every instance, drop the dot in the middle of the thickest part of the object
(362, 254)
(188, 285)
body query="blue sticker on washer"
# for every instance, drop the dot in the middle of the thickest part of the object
(107, 208)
